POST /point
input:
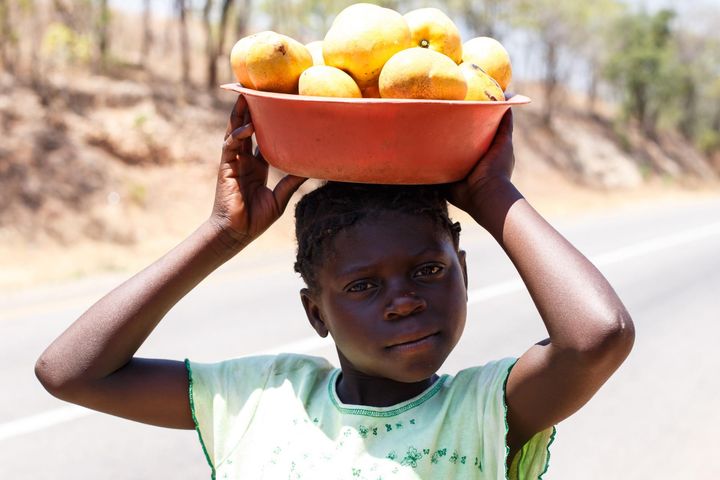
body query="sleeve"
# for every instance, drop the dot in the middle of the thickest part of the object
(223, 398)
(531, 462)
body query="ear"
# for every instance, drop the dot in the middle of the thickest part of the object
(312, 310)
(463, 266)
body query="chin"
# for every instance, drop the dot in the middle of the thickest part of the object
(416, 372)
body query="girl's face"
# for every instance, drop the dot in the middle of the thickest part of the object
(393, 296)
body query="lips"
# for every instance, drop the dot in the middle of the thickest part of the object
(413, 339)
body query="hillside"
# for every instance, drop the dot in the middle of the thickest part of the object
(101, 173)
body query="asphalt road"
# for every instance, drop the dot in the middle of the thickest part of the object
(657, 418)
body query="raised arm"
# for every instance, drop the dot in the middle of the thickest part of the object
(92, 363)
(590, 332)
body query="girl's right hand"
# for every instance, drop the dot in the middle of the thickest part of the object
(244, 205)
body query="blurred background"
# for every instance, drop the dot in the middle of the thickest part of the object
(111, 122)
(111, 117)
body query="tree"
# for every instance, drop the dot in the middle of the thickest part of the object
(555, 25)
(641, 66)
(593, 45)
(568, 35)
(181, 7)
(8, 38)
(242, 18)
(481, 18)
(215, 43)
(101, 31)
(147, 38)
(209, 42)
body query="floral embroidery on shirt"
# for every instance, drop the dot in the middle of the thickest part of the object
(411, 457)
(437, 455)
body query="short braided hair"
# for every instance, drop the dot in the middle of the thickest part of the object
(335, 206)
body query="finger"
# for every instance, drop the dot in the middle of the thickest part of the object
(233, 144)
(503, 134)
(506, 125)
(237, 115)
(285, 188)
(247, 143)
(259, 156)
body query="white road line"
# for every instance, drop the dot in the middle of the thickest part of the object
(657, 244)
(56, 416)
(608, 258)
(41, 421)
(478, 295)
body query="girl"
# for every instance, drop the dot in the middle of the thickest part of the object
(386, 279)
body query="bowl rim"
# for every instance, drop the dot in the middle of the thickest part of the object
(516, 99)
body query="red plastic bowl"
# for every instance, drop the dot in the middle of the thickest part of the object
(368, 140)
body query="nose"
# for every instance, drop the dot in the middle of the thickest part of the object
(403, 305)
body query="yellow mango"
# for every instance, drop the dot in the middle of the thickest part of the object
(431, 28)
(324, 81)
(315, 49)
(238, 55)
(480, 85)
(422, 73)
(490, 55)
(274, 63)
(362, 38)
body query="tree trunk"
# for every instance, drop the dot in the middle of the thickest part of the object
(221, 37)
(210, 64)
(65, 14)
(103, 37)
(242, 20)
(592, 88)
(147, 39)
(7, 38)
(184, 42)
(689, 113)
(638, 95)
(214, 48)
(550, 82)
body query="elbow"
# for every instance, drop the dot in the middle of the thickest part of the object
(44, 372)
(618, 341)
(50, 376)
(611, 343)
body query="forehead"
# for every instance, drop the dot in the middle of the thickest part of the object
(387, 236)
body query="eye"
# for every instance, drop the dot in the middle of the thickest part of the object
(360, 286)
(428, 270)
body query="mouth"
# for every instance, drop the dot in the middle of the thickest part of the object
(415, 344)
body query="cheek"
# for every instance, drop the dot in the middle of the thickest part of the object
(455, 299)
(348, 319)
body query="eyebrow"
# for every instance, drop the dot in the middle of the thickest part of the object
(360, 268)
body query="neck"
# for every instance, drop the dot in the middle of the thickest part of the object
(357, 388)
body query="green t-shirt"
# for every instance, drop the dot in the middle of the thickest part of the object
(279, 417)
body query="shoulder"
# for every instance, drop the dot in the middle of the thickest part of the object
(254, 370)
(480, 390)
(491, 376)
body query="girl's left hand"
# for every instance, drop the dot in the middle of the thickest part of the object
(492, 170)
